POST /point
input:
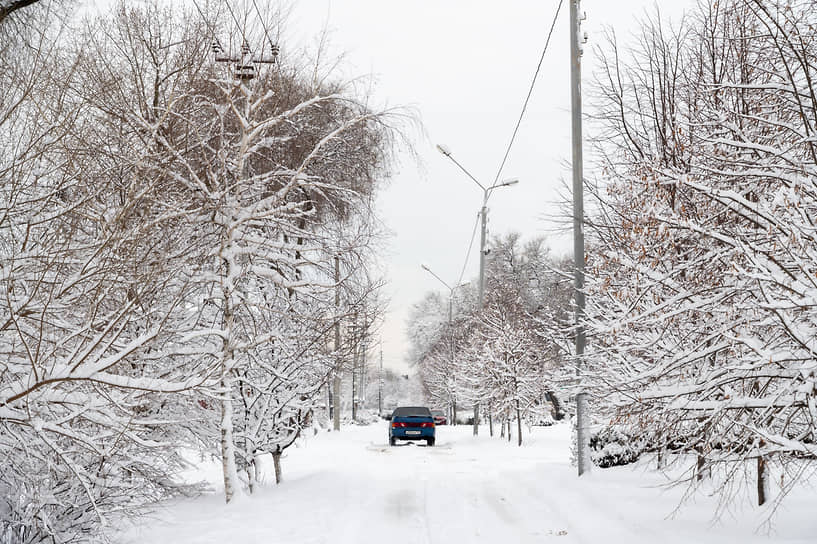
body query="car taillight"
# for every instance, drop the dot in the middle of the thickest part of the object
(427, 424)
(397, 424)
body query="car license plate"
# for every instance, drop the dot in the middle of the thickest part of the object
(412, 432)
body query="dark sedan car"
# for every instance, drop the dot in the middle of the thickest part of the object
(411, 423)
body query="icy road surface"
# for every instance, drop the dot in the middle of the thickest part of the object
(352, 488)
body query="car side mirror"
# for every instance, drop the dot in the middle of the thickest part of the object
(387, 417)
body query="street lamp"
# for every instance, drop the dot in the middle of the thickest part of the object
(450, 331)
(486, 193)
(483, 214)
(450, 291)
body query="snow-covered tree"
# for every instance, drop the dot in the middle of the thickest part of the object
(80, 421)
(702, 267)
(167, 233)
(260, 165)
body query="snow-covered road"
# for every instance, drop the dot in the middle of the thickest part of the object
(352, 488)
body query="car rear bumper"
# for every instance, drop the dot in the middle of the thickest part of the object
(406, 434)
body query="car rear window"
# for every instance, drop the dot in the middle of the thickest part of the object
(409, 411)
(437, 413)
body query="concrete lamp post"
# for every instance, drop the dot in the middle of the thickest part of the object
(483, 214)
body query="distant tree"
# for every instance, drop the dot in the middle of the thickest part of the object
(496, 356)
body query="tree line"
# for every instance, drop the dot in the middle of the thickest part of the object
(179, 238)
(505, 357)
(701, 252)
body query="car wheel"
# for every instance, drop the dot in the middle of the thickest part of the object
(392, 441)
(429, 441)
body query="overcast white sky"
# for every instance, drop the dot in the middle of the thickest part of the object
(466, 65)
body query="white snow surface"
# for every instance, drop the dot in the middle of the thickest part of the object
(352, 488)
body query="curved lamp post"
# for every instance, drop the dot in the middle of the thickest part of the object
(450, 329)
(483, 214)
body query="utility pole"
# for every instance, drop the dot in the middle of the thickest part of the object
(336, 382)
(483, 217)
(577, 40)
(244, 70)
(363, 371)
(380, 384)
(354, 336)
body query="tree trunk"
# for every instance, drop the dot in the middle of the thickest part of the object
(762, 481)
(329, 399)
(7, 8)
(232, 485)
(476, 419)
(454, 413)
(336, 400)
(558, 411)
(699, 468)
(518, 424)
(490, 422)
(251, 474)
(276, 462)
(336, 385)
(501, 428)
(354, 374)
(228, 464)
(509, 430)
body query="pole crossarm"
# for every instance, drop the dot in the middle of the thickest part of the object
(244, 64)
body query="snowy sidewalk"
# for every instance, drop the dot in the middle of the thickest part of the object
(352, 488)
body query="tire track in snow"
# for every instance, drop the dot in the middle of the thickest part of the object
(562, 525)
(425, 513)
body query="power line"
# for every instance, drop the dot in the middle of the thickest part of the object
(204, 19)
(263, 25)
(530, 92)
(238, 25)
(515, 131)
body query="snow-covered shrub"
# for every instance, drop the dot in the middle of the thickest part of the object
(612, 446)
(538, 416)
(367, 417)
